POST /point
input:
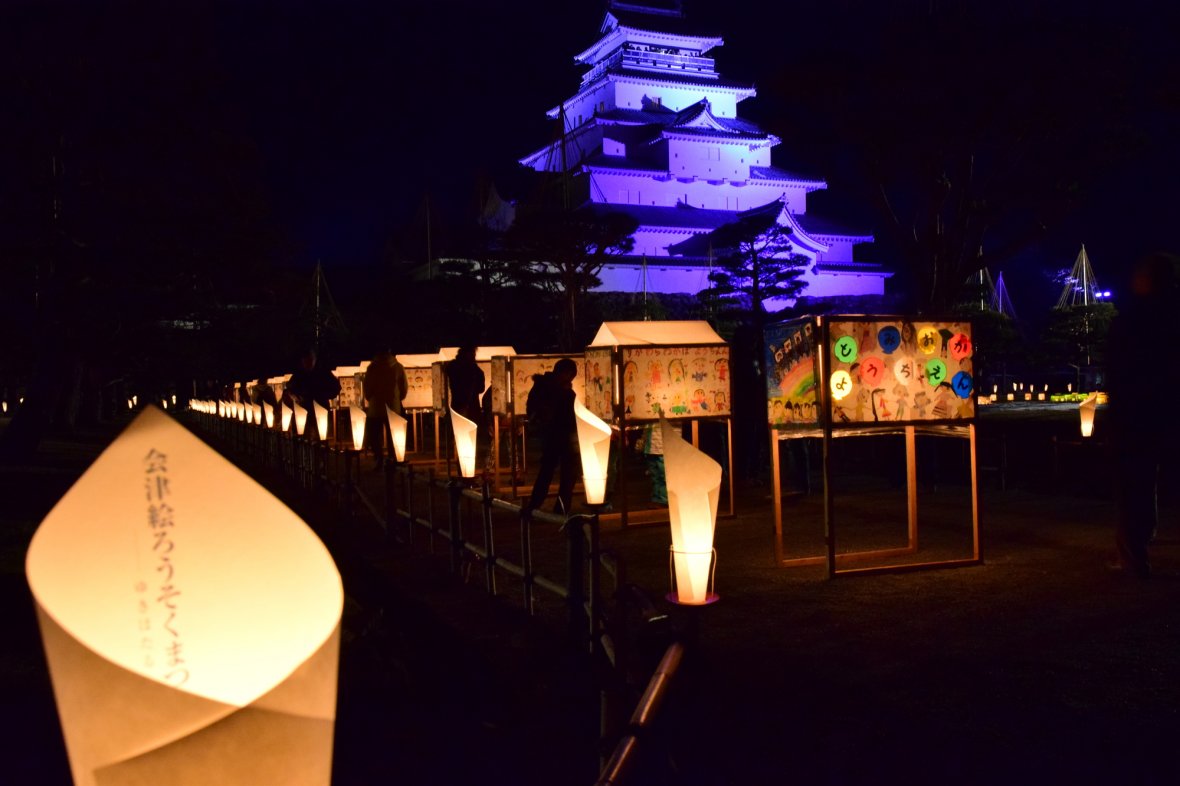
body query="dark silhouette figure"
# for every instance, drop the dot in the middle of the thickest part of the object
(466, 381)
(551, 417)
(311, 383)
(1141, 380)
(385, 386)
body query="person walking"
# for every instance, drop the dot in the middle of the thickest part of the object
(550, 412)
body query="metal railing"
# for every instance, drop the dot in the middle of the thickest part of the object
(467, 517)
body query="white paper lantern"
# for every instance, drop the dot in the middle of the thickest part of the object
(356, 418)
(321, 419)
(594, 443)
(1087, 409)
(397, 433)
(192, 639)
(300, 420)
(694, 487)
(465, 432)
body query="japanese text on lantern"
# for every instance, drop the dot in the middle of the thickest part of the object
(157, 599)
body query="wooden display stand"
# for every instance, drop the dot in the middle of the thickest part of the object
(927, 368)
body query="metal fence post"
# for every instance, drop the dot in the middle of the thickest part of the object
(454, 493)
(488, 536)
(576, 557)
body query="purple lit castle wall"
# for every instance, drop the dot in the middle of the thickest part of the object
(655, 130)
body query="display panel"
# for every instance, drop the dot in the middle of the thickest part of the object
(524, 367)
(899, 370)
(791, 356)
(598, 380)
(351, 392)
(419, 389)
(678, 382)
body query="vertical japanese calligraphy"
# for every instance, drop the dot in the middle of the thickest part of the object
(164, 586)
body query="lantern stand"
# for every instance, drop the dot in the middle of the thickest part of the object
(710, 595)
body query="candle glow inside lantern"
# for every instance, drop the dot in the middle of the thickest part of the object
(1087, 409)
(356, 419)
(464, 430)
(397, 433)
(203, 652)
(300, 420)
(321, 419)
(257, 413)
(269, 413)
(694, 487)
(285, 413)
(594, 444)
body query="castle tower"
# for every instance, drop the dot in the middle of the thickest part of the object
(653, 130)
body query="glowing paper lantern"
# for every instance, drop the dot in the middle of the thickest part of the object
(269, 412)
(397, 433)
(694, 486)
(300, 420)
(321, 419)
(594, 443)
(249, 413)
(356, 418)
(194, 638)
(285, 413)
(464, 430)
(257, 413)
(1087, 409)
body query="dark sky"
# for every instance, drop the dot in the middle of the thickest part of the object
(357, 110)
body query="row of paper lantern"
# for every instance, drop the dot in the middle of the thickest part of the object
(296, 416)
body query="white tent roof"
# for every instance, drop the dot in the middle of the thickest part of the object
(614, 334)
(418, 361)
(481, 353)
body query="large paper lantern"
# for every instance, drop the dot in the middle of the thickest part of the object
(300, 420)
(1087, 409)
(694, 487)
(397, 433)
(321, 419)
(356, 419)
(594, 443)
(464, 430)
(191, 622)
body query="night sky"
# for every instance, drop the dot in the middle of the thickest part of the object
(353, 112)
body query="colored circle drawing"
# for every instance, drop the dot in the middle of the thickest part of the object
(962, 384)
(889, 339)
(960, 346)
(904, 370)
(935, 372)
(928, 340)
(845, 349)
(872, 370)
(841, 384)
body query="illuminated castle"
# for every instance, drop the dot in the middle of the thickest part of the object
(654, 131)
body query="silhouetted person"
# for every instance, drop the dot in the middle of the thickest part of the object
(1141, 376)
(466, 380)
(551, 417)
(385, 386)
(312, 384)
